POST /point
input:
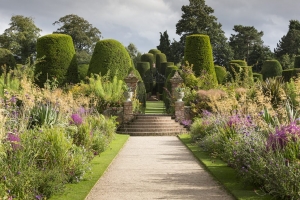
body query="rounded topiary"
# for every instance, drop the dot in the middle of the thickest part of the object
(163, 67)
(154, 52)
(144, 70)
(221, 74)
(110, 55)
(257, 77)
(198, 52)
(6, 59)
(271, 68)
(60, 59)
(160, 58)
(169, 69)
(148, 57)
(297, 62)
(239, 62)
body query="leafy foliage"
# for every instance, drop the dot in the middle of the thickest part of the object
(21, 37)
(271, 68)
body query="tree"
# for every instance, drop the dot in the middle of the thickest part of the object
(21, 37)
(83, 33)
(258, 55)
(165, 44)
(134, 54)
(243, 41)
(197, 18)
(289, 43)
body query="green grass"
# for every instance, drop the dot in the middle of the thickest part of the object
(225, 175)
(99, 164)
(155, 107)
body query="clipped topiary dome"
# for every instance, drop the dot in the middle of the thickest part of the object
(110, 55)
(271, 68)
(60, 59)
(198, 52)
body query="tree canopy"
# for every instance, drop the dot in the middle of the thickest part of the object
(197, 18)
(134, 54)
(289, 43)
(165, 44)
(20, 38)
(83, 33)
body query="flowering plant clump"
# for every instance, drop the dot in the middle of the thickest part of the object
(14, 140)
(186, 123)
(76, 119)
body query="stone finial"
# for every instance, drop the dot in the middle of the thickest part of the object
(175, 81)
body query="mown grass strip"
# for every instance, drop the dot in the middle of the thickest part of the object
(224, 174)
(155, 107)
(99, 164)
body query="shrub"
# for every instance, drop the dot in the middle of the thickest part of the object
(59, 62)
(148, 57)
(110, 56)
(82, 71)
(297, 62)
(257, 77)
(221, 74)
(271, 68)
(145, 72)
(198, 52)
(239, 62)
(154, 52)
(160, 58)
(164, 66)
(7, 59)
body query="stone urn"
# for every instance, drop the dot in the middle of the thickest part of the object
(128, 96)
(180, 96)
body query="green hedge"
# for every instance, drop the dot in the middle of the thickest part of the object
(7, 58)
(164, 66)
(60, 59)
(144, 70)
(221, 74)
(290, 73)
(257, 77)
(110, 55)
(239, 62)
(154, 52)
(198, 52)
(160, 58)
(148, 57)
(82, 71)
(271, 68)
(297, 62)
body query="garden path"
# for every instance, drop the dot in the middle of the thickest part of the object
(156, 167)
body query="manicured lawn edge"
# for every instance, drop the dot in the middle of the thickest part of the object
(80, 190)
(222, 173)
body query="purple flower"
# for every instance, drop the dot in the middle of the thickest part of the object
(283, 135)
(13, 99)
(38, 197)
(14, 139)
(76, 119)
(82, 111)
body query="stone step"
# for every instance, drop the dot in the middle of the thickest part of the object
(153, 123)
(149, 126)
(156, 130)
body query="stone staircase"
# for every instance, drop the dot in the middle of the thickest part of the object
(152, 125)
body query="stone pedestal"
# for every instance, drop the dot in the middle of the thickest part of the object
(176, 80)
(179, 111)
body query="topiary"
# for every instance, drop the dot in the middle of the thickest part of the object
(148, 57)
(154, 52)
(198, 52)
(82, 71)
(221, 74)
(164, 66)
(160, 58)
(7, 59)
(271, 68)
(144, 71)
(297, 62)
(59, 62)
(110, 55)
(257, 77)
(239, 62)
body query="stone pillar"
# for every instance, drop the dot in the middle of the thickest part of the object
(175, 81)
(131, 80)
(179, 111)
(128, 113)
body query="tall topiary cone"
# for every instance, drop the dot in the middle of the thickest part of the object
(60, 59)
(198, 52)
(271, 68)
(110, 55)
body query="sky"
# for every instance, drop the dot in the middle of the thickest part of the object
(140, 22)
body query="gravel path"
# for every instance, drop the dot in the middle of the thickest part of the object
(156, 168)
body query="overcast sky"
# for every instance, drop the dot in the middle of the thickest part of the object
(139, 22)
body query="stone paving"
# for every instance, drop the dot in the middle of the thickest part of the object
(156, 167)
